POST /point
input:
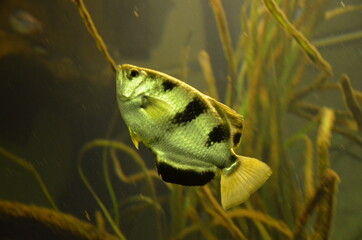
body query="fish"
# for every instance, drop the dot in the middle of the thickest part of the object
(193, 136)
(24, 22)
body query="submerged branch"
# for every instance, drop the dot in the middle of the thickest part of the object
(263, 218)
(324, 141)
(19, 221)
(322, 226)
(94, 32)
(351, 101)
(222, 214)
(327, 187)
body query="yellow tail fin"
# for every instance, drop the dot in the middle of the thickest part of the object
(249, 175)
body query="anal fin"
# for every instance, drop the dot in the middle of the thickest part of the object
(135, 138)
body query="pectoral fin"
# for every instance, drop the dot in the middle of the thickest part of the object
(155, 107)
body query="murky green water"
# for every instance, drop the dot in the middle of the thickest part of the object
(59, 117)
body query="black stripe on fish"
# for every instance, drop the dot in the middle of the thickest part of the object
(218, 134)
(184, 177)
(168, 85)
(191, 111)
(236, 138)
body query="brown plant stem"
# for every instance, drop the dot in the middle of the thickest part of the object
(222, 213)
(323, 222)
(327, 188)
(324, 141)
(197, 225)
(205, 63)
(94, 32)
(351, 101)
(133, 177)
(20, 221)
(280, 226)
(308, 168)
(310, 111)
(227, 46)
(312, 53)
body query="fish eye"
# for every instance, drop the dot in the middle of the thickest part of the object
(134, 73)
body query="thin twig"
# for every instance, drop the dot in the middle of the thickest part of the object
(257, 216)
(94, 32)
(351, 101)
(222, 213)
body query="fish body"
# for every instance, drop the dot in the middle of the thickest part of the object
(191, 134)
(24, 23)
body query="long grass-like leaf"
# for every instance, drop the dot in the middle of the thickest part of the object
(106, 213)
(28, 166)
(227, 46)
(305, 44)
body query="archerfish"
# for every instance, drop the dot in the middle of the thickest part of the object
(192, 135)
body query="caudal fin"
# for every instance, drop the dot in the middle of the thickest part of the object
(249, 175)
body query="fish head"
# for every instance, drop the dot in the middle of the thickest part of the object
(130, 81)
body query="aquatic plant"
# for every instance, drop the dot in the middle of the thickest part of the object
(268, 81)
(270, 35)
(21, 221)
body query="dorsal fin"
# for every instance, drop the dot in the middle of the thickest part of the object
(234, 120)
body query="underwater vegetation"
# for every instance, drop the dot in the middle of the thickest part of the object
(273, 70)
